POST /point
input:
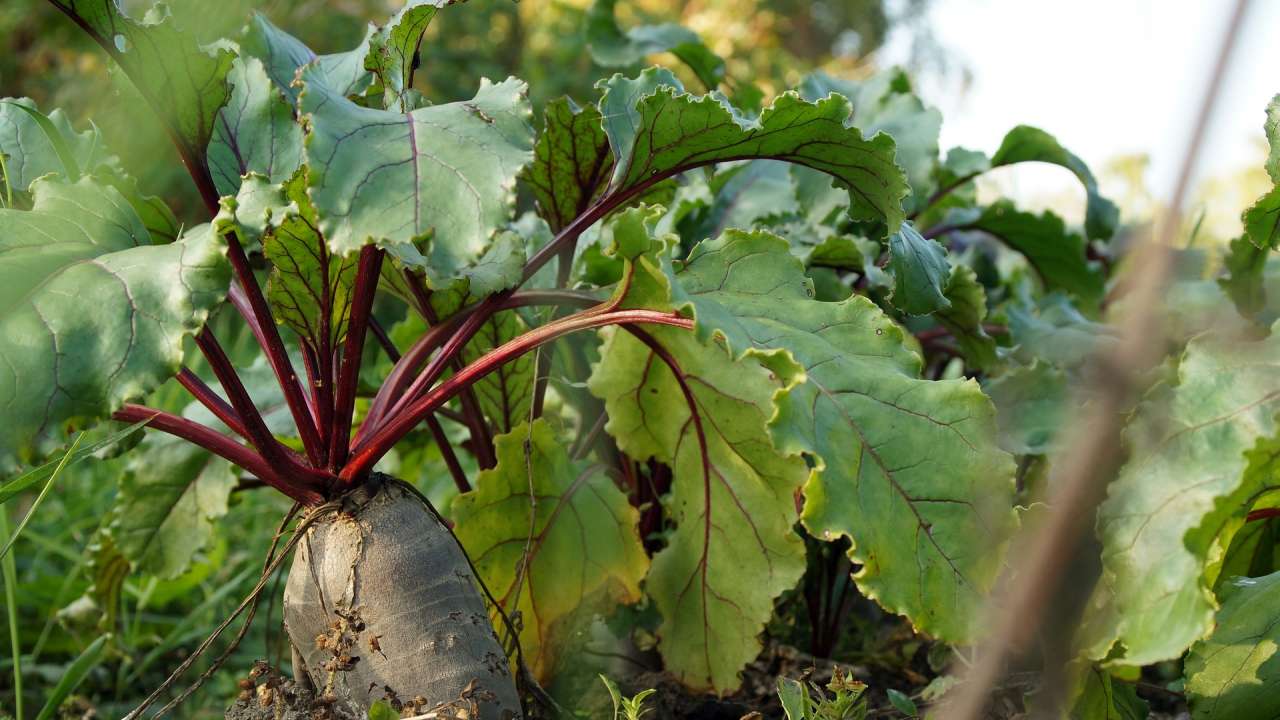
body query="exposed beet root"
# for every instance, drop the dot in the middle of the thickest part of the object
(381, 602)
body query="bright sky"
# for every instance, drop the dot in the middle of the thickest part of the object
(1107, 77)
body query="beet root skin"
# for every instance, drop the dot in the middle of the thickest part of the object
(381, 597)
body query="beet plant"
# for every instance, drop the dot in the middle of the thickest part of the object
(678, 335)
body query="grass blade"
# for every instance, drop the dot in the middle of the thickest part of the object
(10, 572)
(74, 675)
(11, 488)
(40, 498)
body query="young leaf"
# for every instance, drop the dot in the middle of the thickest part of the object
(310, 287)
(571, 162)
(1029, 144)
(393, 49)
(1186, 478)
(255, 131)
(964, 316)
(583, 553)
(82, 246)
(505, 394)
(1232, 673)
(657, 130)
(1056, 255)
(282, 54)
(733, 549)
(921, 272)
(610, 46)
(184, 82)
(1262, 221)
(446, 171)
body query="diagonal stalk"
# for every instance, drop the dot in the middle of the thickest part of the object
(253, 305)
(433, 424)
(368, 452)
(220, 445)
(481, 437)
(270, 449)
(366, 286)
(211, 400)
(402, 374)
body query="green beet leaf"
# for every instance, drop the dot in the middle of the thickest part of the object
(1271, 128)
(886, 102)
(91, 313)
(185, 83)
(571, 162)
(1262, 221)
(1232, 673)
(656, 130)
(1244, 283)
(35, 144)
(610, 46)
(1028, 144)
(583, 553)
(170, 495)
(1056, 255)
(733, 550)
(444, 172)
(1030, 403)
(282, 54)
(393, 50)
(310, 286)
(964, 317)
(908, 468)
(921, 272)
(1102, 697)
(1162, 522)
(255, 131)
(506, 394)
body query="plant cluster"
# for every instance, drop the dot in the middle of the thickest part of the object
(716, 332)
